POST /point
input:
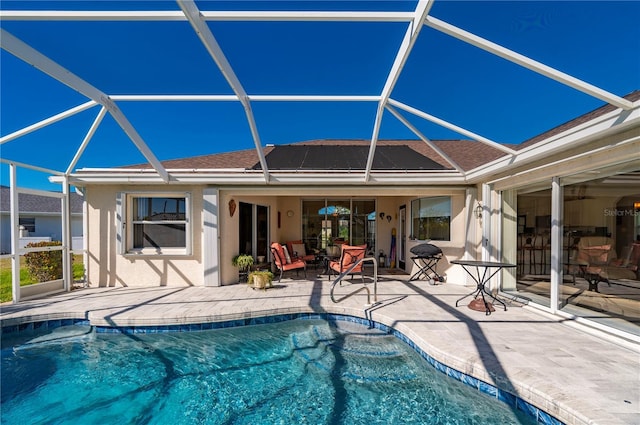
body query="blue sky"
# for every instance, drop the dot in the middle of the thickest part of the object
(596, 41)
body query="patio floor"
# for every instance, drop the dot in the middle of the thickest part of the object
(577, 376)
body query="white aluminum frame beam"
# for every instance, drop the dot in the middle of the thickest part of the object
(31, 167)
(278, 16)
(87, 138)
(410, 37)
(425, 139)
(15, 236)
(528, 63)
(453, 127)
(234, 98)
(557, 226)
(65, 206)
(201, 28)
(190, 12)
(31, 56)
(47, 121)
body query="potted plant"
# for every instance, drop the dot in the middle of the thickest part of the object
(260, 279)
(243, 262)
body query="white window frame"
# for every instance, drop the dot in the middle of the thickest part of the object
(413, 231)
(127, 226)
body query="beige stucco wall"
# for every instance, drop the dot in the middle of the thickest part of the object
(107, 268)
(229, 228)
(452, 249)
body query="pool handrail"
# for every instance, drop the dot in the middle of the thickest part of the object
(365, 287)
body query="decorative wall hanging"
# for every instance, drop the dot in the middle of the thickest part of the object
(389, 218)
(381, 215)
(232, 207)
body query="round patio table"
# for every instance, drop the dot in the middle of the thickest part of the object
(484, 271)
(325, 259)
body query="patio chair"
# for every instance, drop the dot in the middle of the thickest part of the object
(297, 249)
(349, 255)
(602, 262)
(284, 263)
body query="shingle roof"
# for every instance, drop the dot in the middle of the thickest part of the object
(38, 204)
(468, 154)
(346, 157)
(238, 159)
(405, 154)
(633, 96)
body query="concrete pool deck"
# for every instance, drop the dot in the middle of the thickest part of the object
(576, 375)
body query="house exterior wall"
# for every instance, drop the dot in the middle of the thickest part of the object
(229, 244)
(290, 227)
(107, 268)
(5, 234)
(46, 226)
(453, 249)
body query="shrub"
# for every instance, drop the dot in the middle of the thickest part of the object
(46, 265)
(242, 262)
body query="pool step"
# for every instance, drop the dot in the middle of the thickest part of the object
(363, 357)
(59, 335)
(374, 344)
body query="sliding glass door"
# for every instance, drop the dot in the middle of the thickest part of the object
(253, 231)
(326, 221)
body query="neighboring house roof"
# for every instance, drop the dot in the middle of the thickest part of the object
(38, 204)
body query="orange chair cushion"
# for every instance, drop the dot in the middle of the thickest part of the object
(350, 254)
(299, 248)
(295, 263)
(595, 254)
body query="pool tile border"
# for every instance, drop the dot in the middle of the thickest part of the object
(513, 401)
(42, 325)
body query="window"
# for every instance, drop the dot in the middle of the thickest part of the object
(431, 218)
(29, 224)
(158, 223)
(324, 220)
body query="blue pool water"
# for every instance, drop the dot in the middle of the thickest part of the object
(295, 372)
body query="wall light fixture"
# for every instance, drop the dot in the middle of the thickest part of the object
(478, 210)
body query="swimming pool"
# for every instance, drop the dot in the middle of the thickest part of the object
(309, 371)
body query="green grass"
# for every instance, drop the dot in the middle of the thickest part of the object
(25, 278)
